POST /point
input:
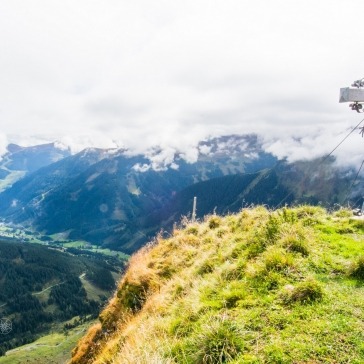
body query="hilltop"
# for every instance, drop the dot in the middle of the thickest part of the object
(260, 286)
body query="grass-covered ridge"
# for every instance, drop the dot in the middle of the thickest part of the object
(256, 287)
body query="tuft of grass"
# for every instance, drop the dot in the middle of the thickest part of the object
(304, 292)
(277, 259)
(357, 268)
(343, 212)
(218, 341)
(192, 230)
(214, 222)
(272, 228)
(294, 244)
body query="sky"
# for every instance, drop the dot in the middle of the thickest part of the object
(140, 74)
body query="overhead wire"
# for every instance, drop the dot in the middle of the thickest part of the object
(347, 136)
(352, 185)
(323, 160)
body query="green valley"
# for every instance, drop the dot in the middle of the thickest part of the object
(47, 287)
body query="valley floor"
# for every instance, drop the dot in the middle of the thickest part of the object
(51, 349)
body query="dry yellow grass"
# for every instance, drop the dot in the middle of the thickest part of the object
(223, 290)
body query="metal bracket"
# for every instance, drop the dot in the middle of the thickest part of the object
(357, 107)
(358, 83)
(354, 94)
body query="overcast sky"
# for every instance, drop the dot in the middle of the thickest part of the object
(169, 73)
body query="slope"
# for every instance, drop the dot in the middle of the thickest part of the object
(260, 286)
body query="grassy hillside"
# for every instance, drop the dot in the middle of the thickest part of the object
(256, 287)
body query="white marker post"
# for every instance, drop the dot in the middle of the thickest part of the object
(194, 209)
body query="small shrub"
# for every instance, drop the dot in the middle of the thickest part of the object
(357, 268)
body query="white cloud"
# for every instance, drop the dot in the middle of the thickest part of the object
(3, 144)
(142, 74)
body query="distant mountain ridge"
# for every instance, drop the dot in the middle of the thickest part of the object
(20, 161)
(113, 199)
(104, 195)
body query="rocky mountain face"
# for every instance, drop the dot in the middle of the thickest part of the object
(116, 200)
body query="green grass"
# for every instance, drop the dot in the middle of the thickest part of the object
(54, 348)
(261, 286)
(19, 233)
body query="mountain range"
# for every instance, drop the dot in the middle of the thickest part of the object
(114, 199)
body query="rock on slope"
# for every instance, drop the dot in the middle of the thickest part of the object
(260, 286)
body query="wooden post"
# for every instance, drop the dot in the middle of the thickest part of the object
(194, 209)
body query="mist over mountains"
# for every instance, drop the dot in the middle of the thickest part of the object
(112, 199)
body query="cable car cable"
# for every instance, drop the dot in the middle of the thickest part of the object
(323, 160)
(352, 185)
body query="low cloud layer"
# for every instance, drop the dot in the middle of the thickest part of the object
(168, 74)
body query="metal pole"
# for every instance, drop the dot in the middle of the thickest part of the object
(194, 209)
